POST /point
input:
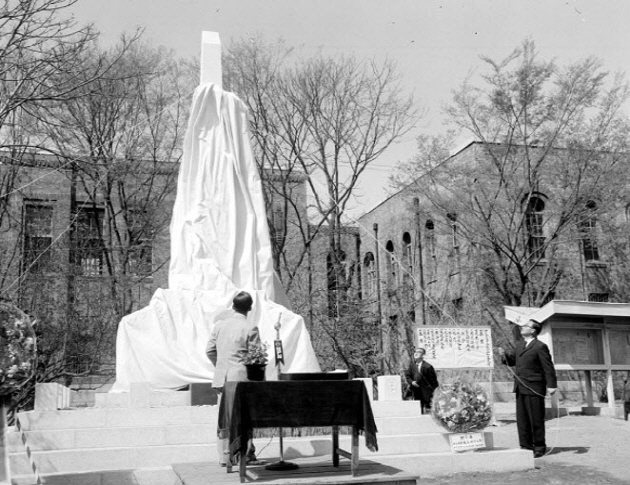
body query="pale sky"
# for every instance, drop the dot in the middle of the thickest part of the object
(436, 44)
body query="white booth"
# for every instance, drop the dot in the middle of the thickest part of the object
(583, 336)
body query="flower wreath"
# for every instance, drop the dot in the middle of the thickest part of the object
(461, 407)
(17, 348)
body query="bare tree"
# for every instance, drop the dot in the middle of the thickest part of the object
(317, 124)
(40, 50)
(84, 221)
(551, 156)
(122, 139)
(325, 118)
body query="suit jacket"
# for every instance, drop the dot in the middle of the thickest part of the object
(229, 341)
(533, 368)
(426, 378)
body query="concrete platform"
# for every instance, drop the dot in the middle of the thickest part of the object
(148, 476)
(309, 472)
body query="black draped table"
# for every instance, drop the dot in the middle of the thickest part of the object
(292, 404)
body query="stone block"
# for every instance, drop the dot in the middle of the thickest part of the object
(83, 460)
(57, 439)
(193, 434)
(83, 398)
(148, 417)
(68, 419)
(140, 395)
(149, 436)
(112, 400)
(394, 425)
(395, 408)
(203, 394)
(389, 388)
(170, 398)
(157, 456)
(204, 415)
(103, 438)
(50, 396)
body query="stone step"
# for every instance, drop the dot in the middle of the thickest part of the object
(186, 444)
(156, 399)
(398, 409)
(121, 437)
(423, 464)
(117, 418)
(140, 476)
(419, 424)
(94, 459)
(204, 431)
(446, 463)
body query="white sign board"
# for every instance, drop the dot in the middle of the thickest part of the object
(457, 347)
(467, 441)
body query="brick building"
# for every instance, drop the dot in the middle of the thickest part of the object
(427, 260)
(85, 244)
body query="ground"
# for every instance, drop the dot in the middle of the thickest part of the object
(585, 450)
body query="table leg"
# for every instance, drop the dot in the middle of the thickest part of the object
(354, 464)
(335, 445)
(242, 468)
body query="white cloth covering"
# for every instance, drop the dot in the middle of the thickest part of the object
(219, 245)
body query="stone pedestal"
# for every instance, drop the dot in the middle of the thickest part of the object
(50, 396)
(389, 388)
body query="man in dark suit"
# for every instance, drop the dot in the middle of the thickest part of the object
(534, 375)
(422, 380)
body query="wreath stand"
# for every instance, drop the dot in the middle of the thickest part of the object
(280, 465)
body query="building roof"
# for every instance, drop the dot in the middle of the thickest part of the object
(520, 315)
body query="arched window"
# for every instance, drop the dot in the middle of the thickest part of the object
(534, 219)
(588, 232)
(370, 274)
(407, 271)
(392, 266)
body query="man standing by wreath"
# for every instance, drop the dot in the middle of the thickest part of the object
(229, 341)
(422, 380)
(534, 375)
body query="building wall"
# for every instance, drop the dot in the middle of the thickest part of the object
(447, 286)
(75, 298)
(66, 301)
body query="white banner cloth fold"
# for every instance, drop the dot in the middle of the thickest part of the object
(219, 245)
